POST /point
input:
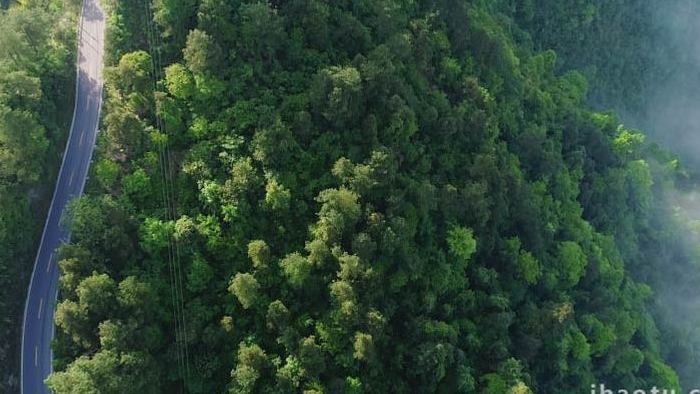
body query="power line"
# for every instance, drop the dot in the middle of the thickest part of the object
(178, 263)
(174, 261)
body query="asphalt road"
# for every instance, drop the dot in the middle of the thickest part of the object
(38, 324)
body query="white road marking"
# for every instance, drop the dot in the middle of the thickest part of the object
(41, 308)
(88, 70)
(72, 175)
(48, 266)
(82, 138)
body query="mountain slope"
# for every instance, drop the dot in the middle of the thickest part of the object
(369, 196)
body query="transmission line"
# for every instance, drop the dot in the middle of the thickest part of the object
(174, 261)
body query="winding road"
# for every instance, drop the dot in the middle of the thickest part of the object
(38, 323)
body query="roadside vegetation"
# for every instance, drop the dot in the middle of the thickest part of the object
(37, 75)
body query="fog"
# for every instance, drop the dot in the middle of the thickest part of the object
(672, 113)
(671, 117)
(676, 285)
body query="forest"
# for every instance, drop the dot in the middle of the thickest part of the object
(37, 47)
(358, 196)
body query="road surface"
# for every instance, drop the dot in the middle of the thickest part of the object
(38, 326)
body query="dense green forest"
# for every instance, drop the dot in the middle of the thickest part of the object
(361, 196)
(649, 75)
(37, 46)
(622, 62)
(640, 58)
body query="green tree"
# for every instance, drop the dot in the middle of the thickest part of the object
(363, 346)
(176, 17)
(179, 81)
(107, 372)
(246, 288)
(106, 172)
(137, 185)
(340, 210)
(132, 76)
(296, 268)
(202, 55)
(462, 243)
(277, 315)
(572, 263)
(23, 144)
(252, 361)
(199, 275)
(259, 253)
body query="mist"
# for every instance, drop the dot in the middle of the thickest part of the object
(672, 112)
(642, 61)
(670, 116)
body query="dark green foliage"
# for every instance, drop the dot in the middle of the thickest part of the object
(639, 60)
(372, 196)
(37, 43)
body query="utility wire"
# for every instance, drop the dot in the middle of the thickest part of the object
(173, 207)
(166, 203)
(174, 265)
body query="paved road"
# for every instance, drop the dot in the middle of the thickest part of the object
(38, 326)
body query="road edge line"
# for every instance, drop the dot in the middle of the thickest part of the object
(53, 197)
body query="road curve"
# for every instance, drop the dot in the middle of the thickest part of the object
(38, 324)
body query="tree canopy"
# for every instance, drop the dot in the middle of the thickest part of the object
(359, 197)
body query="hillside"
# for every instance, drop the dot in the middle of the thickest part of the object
(366, 196)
